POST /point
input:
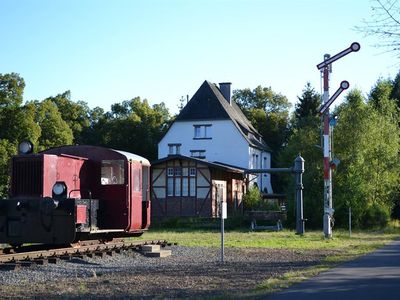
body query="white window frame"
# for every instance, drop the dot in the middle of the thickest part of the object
(174, 149)
(202, 131)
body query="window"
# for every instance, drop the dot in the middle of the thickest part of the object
(181, 182)
(192, 175)
(136, 174)
(145, 183)
(170, 181)
(198, 153)
(112, 172)
(202, 131)
(174, 149)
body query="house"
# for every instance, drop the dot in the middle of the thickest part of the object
(203, 156)
(211, 127)
(185, 186)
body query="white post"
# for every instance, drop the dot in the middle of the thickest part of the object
(223, 217)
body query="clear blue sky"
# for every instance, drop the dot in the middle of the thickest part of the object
(105, 52)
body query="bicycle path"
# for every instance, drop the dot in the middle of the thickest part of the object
(370, 277)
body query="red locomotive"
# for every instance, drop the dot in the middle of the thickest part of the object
(71, 193)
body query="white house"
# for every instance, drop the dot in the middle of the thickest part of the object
(212, 127)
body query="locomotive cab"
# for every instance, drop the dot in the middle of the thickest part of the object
(70, 193)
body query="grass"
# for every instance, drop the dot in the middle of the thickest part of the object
(359, 243)
(346, 247)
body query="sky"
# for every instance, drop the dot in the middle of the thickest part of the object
(106, 52)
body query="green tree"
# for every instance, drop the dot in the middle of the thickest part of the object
(132, 126)
(54, 130)
(395, 94)
(367, 143)
(306, 141)
(11, 90)
(16, 123)
(381, 92)
(75, 114)
(306, 109)
(7, 149)
(268, 112)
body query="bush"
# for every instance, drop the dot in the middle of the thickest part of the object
(376, 215)
(252, 198)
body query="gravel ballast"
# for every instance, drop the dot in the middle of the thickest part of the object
(191, 272)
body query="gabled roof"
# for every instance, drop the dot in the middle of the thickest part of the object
(208, 103)
(217, 165)
(95, 153)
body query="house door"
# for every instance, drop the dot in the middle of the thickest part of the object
(218, 196)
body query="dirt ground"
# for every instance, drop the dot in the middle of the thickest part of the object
(189, 273)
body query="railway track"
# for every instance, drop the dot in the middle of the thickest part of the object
(11, 258)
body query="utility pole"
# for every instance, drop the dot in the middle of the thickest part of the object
(326, 68)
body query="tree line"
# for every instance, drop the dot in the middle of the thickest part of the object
(132, 125)
(366, 139)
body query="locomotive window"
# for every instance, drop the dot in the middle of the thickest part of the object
(112, 172)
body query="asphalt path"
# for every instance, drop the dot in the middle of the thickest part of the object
(373, 276)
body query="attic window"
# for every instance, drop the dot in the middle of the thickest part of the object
(202, 131)
(198, 153)
(174, 149)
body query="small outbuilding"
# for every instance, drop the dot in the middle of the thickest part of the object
(183, 186)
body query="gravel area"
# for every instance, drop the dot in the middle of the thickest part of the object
(191, 272)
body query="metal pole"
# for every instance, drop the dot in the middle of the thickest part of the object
(222, 240)
(221, 207)
(349, 221)
(299, 170)
(222, 236)
(327, 156)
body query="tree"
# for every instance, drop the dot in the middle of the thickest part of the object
(307, 107)
(381, 92)
(395, 94)
(54, 130)
(385, 24)
(268, 112)
(132, 126)
(7, 149)
(16, 123)
(367, 143)
(305, 140)
(75, 114)
(11, 90)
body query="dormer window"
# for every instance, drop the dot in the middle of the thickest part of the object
(174, 149)
(202, 131)
(198, 154)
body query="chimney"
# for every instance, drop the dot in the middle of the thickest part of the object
(225, 88)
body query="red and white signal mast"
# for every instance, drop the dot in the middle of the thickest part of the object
(325, 68)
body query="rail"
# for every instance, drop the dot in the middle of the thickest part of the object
(31, 255)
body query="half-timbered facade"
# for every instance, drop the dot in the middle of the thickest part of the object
(189, 187)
